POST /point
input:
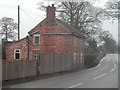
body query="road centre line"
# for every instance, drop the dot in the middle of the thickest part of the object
(75, 85)
(94, 78)
(99, 76)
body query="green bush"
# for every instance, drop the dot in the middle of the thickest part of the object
(89, 60)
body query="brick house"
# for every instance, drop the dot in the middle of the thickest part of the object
(49, 36)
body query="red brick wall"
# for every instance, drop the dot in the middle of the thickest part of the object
(45, 27)
(49, 43)
(55, 43)
(22, 45)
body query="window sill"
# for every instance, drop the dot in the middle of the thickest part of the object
(36, 44)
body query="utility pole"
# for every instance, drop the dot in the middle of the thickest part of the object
(6, 33)
(18, 22)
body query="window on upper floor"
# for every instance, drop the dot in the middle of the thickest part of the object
(37, 39)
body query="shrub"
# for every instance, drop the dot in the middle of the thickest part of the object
(89, 60)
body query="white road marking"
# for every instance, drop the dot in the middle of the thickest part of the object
(114, 66)
(112, 70)
(97, 65)
(76, 85)
(114, 60)
(99, 76)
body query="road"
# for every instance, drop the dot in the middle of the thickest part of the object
(105, 75)
(0, 74)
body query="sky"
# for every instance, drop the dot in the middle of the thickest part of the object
(30, 16)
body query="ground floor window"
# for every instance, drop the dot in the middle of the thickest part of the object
(36, 55)
(17, 54)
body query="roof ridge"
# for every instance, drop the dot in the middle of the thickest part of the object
(70, 27)
(36, 26)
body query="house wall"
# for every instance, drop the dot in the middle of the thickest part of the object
(50, 43)
(22, 45)
(55, 38)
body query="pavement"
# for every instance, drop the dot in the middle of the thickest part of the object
(104, 75)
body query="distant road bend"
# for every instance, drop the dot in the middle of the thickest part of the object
(105, 75)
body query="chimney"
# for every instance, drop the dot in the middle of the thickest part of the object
(50, 13)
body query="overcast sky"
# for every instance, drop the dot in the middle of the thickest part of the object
(30, 16)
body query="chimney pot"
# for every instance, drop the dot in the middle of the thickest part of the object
(52, 5)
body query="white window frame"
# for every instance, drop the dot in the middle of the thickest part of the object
(36, 55)
(15, 54)
(39, 39)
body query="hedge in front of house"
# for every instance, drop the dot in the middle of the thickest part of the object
(89, 60)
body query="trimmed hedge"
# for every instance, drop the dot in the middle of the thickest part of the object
(89, 60)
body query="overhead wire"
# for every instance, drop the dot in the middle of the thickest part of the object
(25, 11)
(34, 14)
(8, 6)
(28, 15)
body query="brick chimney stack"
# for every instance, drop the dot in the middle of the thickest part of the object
(50, 13)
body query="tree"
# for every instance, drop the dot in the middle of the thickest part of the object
(83, 16)
(119, 49)
(113, 9)
(88, 20)
(110, 45)
(8, 28)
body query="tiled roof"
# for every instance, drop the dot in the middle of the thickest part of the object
(72, 29)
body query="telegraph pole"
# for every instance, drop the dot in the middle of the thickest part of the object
(18, 22)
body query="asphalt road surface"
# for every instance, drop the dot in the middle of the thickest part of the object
(105, 75)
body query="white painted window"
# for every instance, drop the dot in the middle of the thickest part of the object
(36, 55)
(36, 39)
(17, 54)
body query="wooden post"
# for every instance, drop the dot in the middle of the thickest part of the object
(18, 22)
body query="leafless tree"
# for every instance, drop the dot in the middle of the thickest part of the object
(85, 17)
(113, 8)
(8, 28)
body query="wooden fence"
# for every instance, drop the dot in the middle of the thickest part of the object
(18, 69)
(52, 63)
(47, 64)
